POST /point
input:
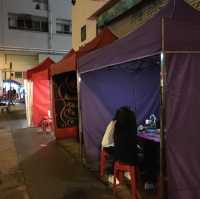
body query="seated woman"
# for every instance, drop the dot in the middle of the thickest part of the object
(120, 138)
(107, 143)
(125, 137)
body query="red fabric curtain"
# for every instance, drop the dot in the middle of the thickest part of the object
(41, 91)
(41, 97)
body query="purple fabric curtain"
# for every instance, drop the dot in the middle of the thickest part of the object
(104, 91)
(186, 36)
(146, 86)
(182, 120)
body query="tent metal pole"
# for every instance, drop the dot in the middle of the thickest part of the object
(79, 116)
(162, 118)
(50, 114)
(53, 109)
(162, 127)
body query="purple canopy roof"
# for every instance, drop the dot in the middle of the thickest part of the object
(181, 33)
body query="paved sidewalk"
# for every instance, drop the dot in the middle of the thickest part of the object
(14, 119)
(52, 173)
(122, 191)
(35, 166)
(12, 185)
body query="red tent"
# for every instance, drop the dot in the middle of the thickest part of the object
(68, 66)
(68, 63)
(39, 75)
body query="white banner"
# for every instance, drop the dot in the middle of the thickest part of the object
(1, 83)
(28, 85)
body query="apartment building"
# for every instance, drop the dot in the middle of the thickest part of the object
(84, 28)
(121, 16)
(30, 31)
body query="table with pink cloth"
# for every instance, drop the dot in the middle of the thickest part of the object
(151, 136)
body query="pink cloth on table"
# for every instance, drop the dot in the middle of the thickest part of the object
(155, 137)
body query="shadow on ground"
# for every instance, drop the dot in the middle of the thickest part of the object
(123, 191)
(52, 173)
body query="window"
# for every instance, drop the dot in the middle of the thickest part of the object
(83, 33)
(63, 26)
(12, 22)
(41, 4)
(36, 25)
(27, 22)
(18, 75)
(44, 26)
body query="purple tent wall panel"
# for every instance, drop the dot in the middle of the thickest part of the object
(182, 119)
(101, 95)
(186, 37)
(104, 91)
(94, 120)
(146, 87)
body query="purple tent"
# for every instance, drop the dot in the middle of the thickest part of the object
(126, 72)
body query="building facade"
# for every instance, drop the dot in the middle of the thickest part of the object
(32, 30)
(84, 28)
(121, 16)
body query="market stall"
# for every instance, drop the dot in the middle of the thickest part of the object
(127, 72)
(38, 95)
(65, 105)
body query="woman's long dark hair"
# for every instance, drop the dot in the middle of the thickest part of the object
(125, 135)
(126, 121)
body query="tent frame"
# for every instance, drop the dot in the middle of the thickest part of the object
(162, 112)
(80, 117)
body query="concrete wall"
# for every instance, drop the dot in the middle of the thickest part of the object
(130, 22)
(26, 39)
(60, 9)
(20, 62)
(137, 18)
(43, 56)
(30, 39)
(80, 13)
(35, 44)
